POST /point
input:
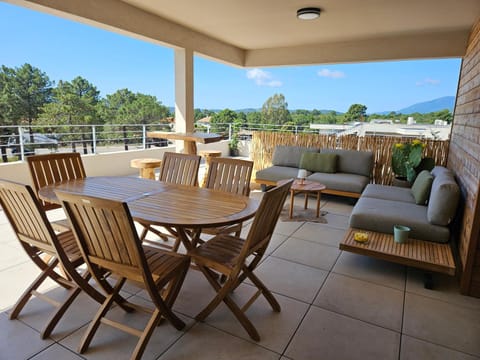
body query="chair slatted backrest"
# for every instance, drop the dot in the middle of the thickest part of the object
(25, 215)
(54, 168)
(266, 218)
(106, 235)
(181, 169)
(230, 175)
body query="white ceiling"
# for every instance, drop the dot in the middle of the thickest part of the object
(267, 32)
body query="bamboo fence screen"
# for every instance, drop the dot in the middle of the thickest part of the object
(264, 142)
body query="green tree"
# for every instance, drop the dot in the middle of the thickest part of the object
(356, 112)
(74, 103)
(221, 120)
(275, 110)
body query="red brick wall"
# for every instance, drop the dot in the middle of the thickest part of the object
(464, 160)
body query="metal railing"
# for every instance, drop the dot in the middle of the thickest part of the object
(16, 142)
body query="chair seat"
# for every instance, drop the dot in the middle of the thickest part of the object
(223, 250)
(163, 263)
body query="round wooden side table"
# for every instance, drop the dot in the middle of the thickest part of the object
(208, 155)
(146, 167)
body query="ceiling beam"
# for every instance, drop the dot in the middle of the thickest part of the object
(402, 47)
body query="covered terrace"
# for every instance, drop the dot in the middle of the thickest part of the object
(351, 306)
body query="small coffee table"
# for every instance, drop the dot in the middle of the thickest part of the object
(306, 187)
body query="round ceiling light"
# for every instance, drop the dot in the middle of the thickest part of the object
(308, 13)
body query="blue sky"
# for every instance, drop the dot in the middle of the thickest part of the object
(64, 49)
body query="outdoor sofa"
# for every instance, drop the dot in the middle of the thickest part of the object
(343, 172)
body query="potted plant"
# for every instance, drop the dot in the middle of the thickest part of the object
(233, 145)
(406, 157)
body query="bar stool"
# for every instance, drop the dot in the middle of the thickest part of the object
(208, 155)
(146, 167)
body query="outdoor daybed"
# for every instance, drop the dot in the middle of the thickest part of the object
(343, 172)
(428, 209)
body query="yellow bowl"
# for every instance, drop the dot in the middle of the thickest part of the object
(360, 237)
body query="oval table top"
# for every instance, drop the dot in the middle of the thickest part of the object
(159, 203)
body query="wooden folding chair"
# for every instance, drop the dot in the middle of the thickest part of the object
(237, 258)
(51, 169)
(38, 238)
(232, 176)
(108, 241)
(180, 169)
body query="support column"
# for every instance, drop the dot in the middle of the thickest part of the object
(184, 113)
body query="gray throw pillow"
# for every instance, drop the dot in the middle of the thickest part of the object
(421, 187)
(443, 201)
(289, 155)
(316, 162)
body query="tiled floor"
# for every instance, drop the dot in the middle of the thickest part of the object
(335, 305)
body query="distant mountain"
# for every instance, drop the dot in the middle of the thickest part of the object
(446, 102)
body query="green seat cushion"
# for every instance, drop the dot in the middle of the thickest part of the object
(318, 162)
(421, 187)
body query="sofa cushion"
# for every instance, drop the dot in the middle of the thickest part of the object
(341, 181)
(421, 187)
(441, 170)
(316, 162)
(276, 173)
(381, 215)
(385, 192)
(289, 155)
(444, 199)
(352, 161)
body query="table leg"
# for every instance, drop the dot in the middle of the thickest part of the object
(190, 147)
(292, 196)
(306, 201)
(319, 195)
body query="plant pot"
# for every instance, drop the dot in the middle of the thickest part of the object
(234, 152)
(401, 182)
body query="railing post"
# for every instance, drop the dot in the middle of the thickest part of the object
(230, 131)
(144, 136)
(94, 139)
(20, 140)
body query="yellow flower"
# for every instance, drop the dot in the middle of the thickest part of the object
(399, 146)
(417, 142)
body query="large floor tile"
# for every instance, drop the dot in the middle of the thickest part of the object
(414, 349)
(291, 279)
(442, 323)
(308, 253)
(57, 351)
(320, 234)
(370, 269)
(12, 254)
(275, 328)
(37, 313)
(338, 205)
(204, 342)
(109, 343)
(362, 300)
(8, 236)
(16, 279)
(18, 341)
(194, 295)
(275, 242)
(287, 228)
(326, 335)
(446, 288)
(336, 221)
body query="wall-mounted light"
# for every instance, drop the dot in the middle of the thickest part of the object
(308, 13)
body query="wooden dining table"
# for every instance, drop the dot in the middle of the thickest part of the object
(176, 207)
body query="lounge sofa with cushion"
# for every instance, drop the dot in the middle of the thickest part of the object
(343, 172)
(427, 208)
